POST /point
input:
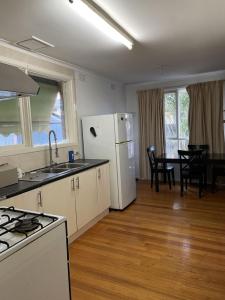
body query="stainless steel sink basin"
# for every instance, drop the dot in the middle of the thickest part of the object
(53, 170)
(36, 176)
(49, 172)
(72, 165)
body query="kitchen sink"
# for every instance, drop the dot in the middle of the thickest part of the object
(54, 170)
(49, 172)
(72, 165)
(36, 176)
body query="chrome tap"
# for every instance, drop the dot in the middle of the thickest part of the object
(50, 147)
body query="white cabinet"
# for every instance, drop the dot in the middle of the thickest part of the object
(103, 188)
(80, 198)
(58, 198)
(30, 200)
(7, 202)
(86, 196)
(55, 198)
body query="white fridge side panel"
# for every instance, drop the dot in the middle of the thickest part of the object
(126, 173)
(102, 147)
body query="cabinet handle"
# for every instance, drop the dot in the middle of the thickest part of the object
(73, 184)
(77, 183)
(99, 173)
(40, 199)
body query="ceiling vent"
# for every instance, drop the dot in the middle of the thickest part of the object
(33, 44)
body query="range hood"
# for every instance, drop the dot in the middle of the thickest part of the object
(14, 82)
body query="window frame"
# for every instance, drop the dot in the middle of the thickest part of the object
(177, 138)
(26, 119)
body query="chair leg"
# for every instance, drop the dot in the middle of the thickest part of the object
(173, 177)
(200, 186)
(169, 179)
(214, 183)
(186, 185)
(152, 178)
(164, 173)
(181, 187)
(156, 181)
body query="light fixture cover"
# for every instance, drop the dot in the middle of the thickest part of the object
(94, 14)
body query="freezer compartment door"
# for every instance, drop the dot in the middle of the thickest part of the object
(123, 127)
(126, 173)
(98, 136)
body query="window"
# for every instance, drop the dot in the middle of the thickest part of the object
(47, 112)
(10, 122)
(25, 122)
(176, 106)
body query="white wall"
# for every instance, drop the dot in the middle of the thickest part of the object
(132, 99)
(94, 95)
(97, 95)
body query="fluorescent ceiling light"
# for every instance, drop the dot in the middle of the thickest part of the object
(94, 14)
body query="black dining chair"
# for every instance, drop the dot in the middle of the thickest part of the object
(192, 166)
(205, 152)
(157, 169)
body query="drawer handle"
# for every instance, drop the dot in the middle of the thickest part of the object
(99, 174)
(77, 183)
(40, 199)
(73, 184)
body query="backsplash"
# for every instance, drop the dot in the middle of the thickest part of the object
(36, 160)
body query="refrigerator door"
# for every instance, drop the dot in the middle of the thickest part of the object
(123, 127)
(126, 173)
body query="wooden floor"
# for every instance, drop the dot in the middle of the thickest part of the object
(161, 247)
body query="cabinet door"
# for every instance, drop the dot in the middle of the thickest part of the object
(103, 188)
(7, 202)
(86, 197)
(29, 201)
(59, 199)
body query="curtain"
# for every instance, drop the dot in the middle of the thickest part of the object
(206, 115)
(151, 126)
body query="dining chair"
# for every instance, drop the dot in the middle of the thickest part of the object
(192, 166)
(157, 169)
(205, 153)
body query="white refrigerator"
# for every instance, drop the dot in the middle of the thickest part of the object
(111, 137)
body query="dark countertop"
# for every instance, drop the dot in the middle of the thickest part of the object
(25, 186)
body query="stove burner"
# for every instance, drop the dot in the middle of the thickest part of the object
(26, 225)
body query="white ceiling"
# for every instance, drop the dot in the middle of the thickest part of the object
(174, 38)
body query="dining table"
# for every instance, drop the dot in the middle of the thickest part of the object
(174, 158)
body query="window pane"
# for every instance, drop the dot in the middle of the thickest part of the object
(47, 112)
(171, 146)
(10, 124)
(183, 144)
(170, 115)
(183, 100)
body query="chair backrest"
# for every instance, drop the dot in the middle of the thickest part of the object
(151, 156)
(204, 147)
(191, 160)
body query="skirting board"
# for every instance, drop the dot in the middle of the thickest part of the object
(88, 226)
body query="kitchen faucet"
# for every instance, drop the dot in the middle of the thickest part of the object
(50, 147)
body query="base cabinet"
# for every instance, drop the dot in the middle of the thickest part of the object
(30, 200)
(86, 197)
(80, 198)
(58, 199)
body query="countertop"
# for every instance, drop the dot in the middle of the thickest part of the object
(25, 186)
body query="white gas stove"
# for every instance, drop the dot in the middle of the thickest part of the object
(34, 261)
